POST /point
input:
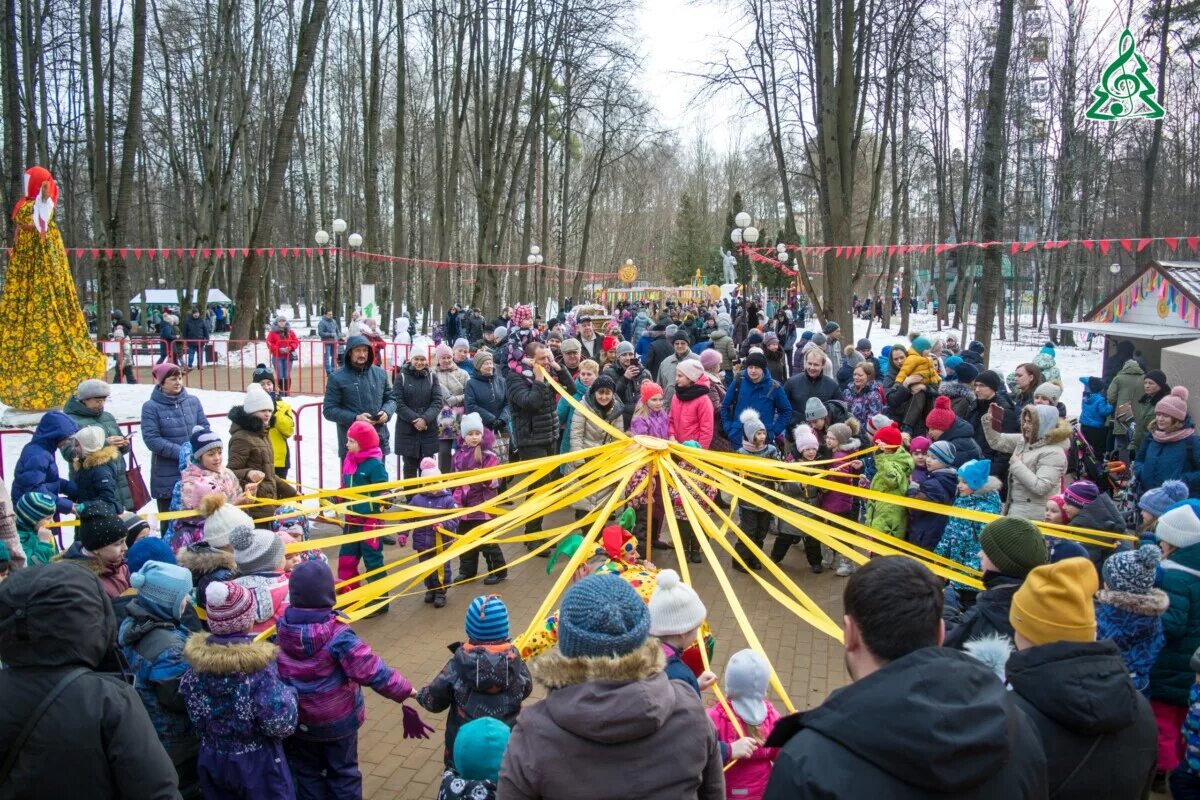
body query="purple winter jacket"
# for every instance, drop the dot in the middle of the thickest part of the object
(653, 424)
(325, 661)
(474, 494)
(423, 538)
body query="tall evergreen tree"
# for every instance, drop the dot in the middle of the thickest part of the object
(692, 246)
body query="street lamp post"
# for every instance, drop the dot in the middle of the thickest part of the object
(744, 233)
(339, 227)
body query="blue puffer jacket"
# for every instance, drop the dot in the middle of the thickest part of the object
(153, 648)
(486, 396)
(1157, 462)
(925, 527)
(167, 422)
(1095, 410)
(37, 468)
(766, 397)
(1134, 623)
(350, 392)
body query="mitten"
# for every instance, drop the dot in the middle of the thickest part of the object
(414, 726)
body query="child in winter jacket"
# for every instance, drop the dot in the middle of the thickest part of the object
(362, 466)
(98, 468)
(1094, 414)
(151, 638)
(650, 417)
(925, 528)
(1154, 503)
(755, 521)
(589, 370)
(754, 717)
(239, 706)
(840, 439)
(893, 468)
(978, 490)
(917, 448)
(325, 661)
(474, 451)
(204, 476)
(33, 513)
(919, 362)
(478, 752)
(100, 546)
(427, 540)
(1129, 610)
(261, 562)
(806, 449)
(37, 468)
(484, 678)
(676, 616)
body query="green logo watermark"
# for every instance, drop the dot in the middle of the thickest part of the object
(1125, 91)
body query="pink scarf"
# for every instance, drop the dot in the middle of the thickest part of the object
(352, 460)
(1174, 436)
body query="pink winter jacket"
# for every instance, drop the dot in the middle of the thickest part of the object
(748, 777)
(692, 419)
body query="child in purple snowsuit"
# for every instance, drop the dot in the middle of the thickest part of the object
(240, 708)
(326, 662)
(427, 541)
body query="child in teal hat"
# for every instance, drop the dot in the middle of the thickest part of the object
(478, 753)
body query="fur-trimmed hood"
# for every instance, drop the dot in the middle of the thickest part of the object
(213, 657)
(954, 389)
(247, 422)
(1057, 435)
(75, 555)
(555, 671)
(992, 484)
(102, 456)
(1153, 604)
(201, 561)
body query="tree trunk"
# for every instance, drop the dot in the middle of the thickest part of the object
(13, 164)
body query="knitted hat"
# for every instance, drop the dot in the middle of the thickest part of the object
(966, 373)
(819, 339)
(830, 327)
(941, 417)
(364, 433)
(229, 608)
(92, 388)
(487, 619)
(650, 389)
(32, 508)
(257, 399)
(1054, 604)
(754, 337)
(1174, 405)
(135, 526)
(746, 678)
(163, 371)
(1180, 525)
(770, 337)
(625, 349)
(521, 313)
(1014, 545)
(921, 344)
(975, 473)
(603, 382)
(710, 359)
(1081, 494)
(976, 346)
(202, 440)
(1156, 375)
(100, 531)
(1156, 501)
(691, 369)
(146, 549)
(954, 362)
(311, 585)
(805, 438)
(443, 349)
(680, 335)
(876, 422)
(571, 345)
(429, 468)
(470, 423)
(751, 424)
(479, 749)
(222, 519)
(1058, 500)
(602, 616)
(991, 379)
(806, 336)
(90, 438)
(815, 409)
(1047, 348)
(482, 356)
(842, 432)
(920, 444)
(675, 607)
(944, 452)
(1048, 390)
(863, 344)
(256, 550)
(889, 436)
(499, 332)
(756, 360)
(162, 588)
(461, 342)
(1132, 570)
(262, 373)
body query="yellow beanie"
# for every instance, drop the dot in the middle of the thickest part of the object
(1055, 603)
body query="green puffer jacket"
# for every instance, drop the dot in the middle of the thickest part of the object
(84, 416)
(892, 471)
(1126, 387)
(1172, 676)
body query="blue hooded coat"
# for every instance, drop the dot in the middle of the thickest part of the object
(167, 422)
(766, 397)
(37, 468)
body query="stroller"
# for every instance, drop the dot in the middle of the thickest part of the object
(1111, 474)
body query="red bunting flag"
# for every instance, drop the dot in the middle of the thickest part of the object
(1088, 244)
(1127, 245)
(1194, 242)
(1014, 247)
(1029, 246)
(1172, 242)
(1142, 244)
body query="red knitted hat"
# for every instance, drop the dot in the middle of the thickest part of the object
(649, 389)
(364, 433)
(889, 436)
(941, 418)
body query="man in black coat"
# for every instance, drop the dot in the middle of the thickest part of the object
(661, 348)
(56, 624)
(989, 388)
(812, 382)
(629, 376)
(1097, 730)
(196, 332)
(918, 721)
(359, 390)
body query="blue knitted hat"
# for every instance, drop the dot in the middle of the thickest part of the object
(479, 749)
(148, 548)
(921, 344)
(1132, 570)
(953, 361)
(487, 619)
(1156, 501)
(602, 617)
(162, 588)
(944, 452)
(32, 508)
(975, 472)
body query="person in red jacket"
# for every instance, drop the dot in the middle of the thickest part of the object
(284, 346)
(691, 414)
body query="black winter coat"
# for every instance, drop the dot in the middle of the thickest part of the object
(534, 408)
(628, 391)
(933, 723)
(979, 417)
(1101, 514)
(989, 615)
(112, 749)
(350, 392)
(98, 481)
(196, 328)
(962, 436)
(485, 395)
(660, 350)
(418, 396)
(1097, 730)
(800, 388)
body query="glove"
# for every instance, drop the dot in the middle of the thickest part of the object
(414, 726)
(402, 539)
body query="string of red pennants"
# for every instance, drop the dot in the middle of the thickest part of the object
(1103, 246)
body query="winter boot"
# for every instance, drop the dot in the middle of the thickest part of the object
(439, 598)
(430, 596)
(845, 567)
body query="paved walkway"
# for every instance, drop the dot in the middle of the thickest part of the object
(412, 638)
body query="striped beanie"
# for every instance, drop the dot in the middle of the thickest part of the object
(32, 508)
(487, 619)
(229, 607)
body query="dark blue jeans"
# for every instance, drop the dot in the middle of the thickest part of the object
(325, 770)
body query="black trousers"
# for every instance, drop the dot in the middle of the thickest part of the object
(468, 563)
(755, 523)
(529, 452)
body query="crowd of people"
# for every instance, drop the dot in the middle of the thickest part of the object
(1097, 645)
